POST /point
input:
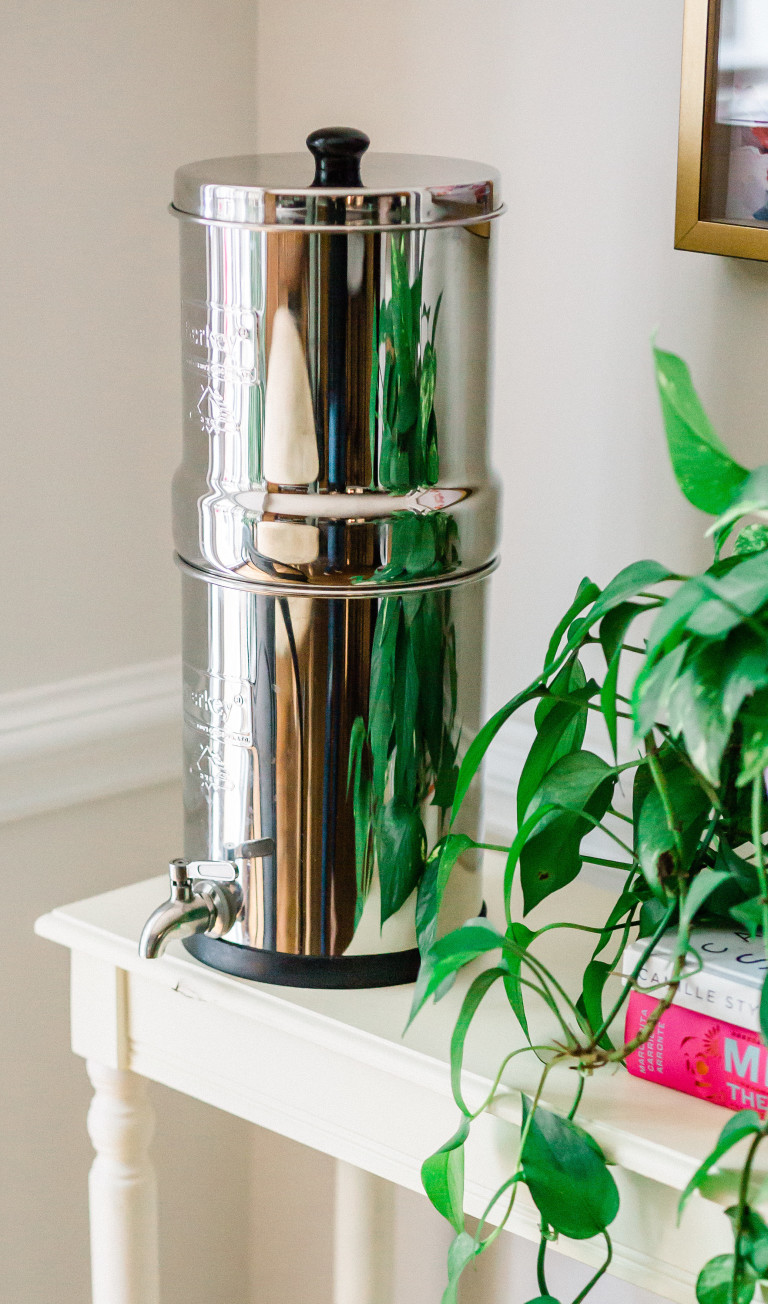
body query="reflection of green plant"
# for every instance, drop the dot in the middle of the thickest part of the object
(692, 850)
(408, 747)
(403, 397)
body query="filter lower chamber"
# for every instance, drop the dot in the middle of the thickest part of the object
(328, 727)
(335, 519)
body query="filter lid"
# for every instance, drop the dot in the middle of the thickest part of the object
(378, 191)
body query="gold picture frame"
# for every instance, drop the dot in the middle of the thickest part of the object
(697, 162)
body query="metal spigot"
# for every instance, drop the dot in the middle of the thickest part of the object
(194, 906)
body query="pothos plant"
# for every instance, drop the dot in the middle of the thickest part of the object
(689, 739)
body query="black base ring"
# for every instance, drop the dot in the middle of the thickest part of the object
(331, 971)
(338, 971)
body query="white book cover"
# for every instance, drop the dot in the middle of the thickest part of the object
(723, 973)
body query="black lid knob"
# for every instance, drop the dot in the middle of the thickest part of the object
(337, 151)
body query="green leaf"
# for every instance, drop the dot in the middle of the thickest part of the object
(700, 890)
(362, 808)
(753, 1242)
(402, 845)
(522, 938)
(633, 579)
(742, 871)
(433, 883)
(590, 1003)
(614, 626)
(463, 1250)
(544, 1299)
(442, 1176)
(630, 582)
(671, 618)
(752, 497)
(450, 954)
(560, 730)
(754, 746)
(482, 741)
(518, 845)
(656, 841)
(747, 669)
(695, 711)
(569, 681)
(625, 904)
(746, 1123)
(713, 1285)
(381, 715)
(427, 381)
(613, 630)
(566, 1174)
(705, 471)
(753, 538)
(469, 1007)
(406, 704)
(731, 597)
(586, 594)
(571, 782)
(750, 915)
(700, 688)
(550, 858)
(650, 696)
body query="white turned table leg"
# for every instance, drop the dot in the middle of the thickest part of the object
(122, 1190)
(364, 1238)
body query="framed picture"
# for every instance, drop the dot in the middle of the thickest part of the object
(722, 174)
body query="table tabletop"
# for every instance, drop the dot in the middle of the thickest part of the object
(336, 1071)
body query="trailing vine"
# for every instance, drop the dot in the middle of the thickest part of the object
(690, 739)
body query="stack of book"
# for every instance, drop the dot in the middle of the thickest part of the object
(708, 1042)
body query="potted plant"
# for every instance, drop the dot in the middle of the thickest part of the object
(694, 653)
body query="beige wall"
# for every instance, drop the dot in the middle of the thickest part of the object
(577, 105)
(100, 102)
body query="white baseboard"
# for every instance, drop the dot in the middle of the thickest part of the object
(113, 732)
(81, 739)
(119, 730)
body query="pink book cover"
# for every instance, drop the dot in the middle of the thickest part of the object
(701, 1056)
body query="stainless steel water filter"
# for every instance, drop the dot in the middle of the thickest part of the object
(335, 521)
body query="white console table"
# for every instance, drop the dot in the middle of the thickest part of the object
(332, 1070)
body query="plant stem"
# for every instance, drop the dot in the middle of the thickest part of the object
(577, 1098)
(545, 977)
(516, 1177)
(757, 842)
(580, 928)
(540, 1274)
(513, 1181)
(600, 1272)
(746, 1173)
(612, 864)
(597, 824)
(608, 1020)
(497, 1080)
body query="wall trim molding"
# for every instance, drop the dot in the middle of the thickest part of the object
(119, 730)
(95, 736)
